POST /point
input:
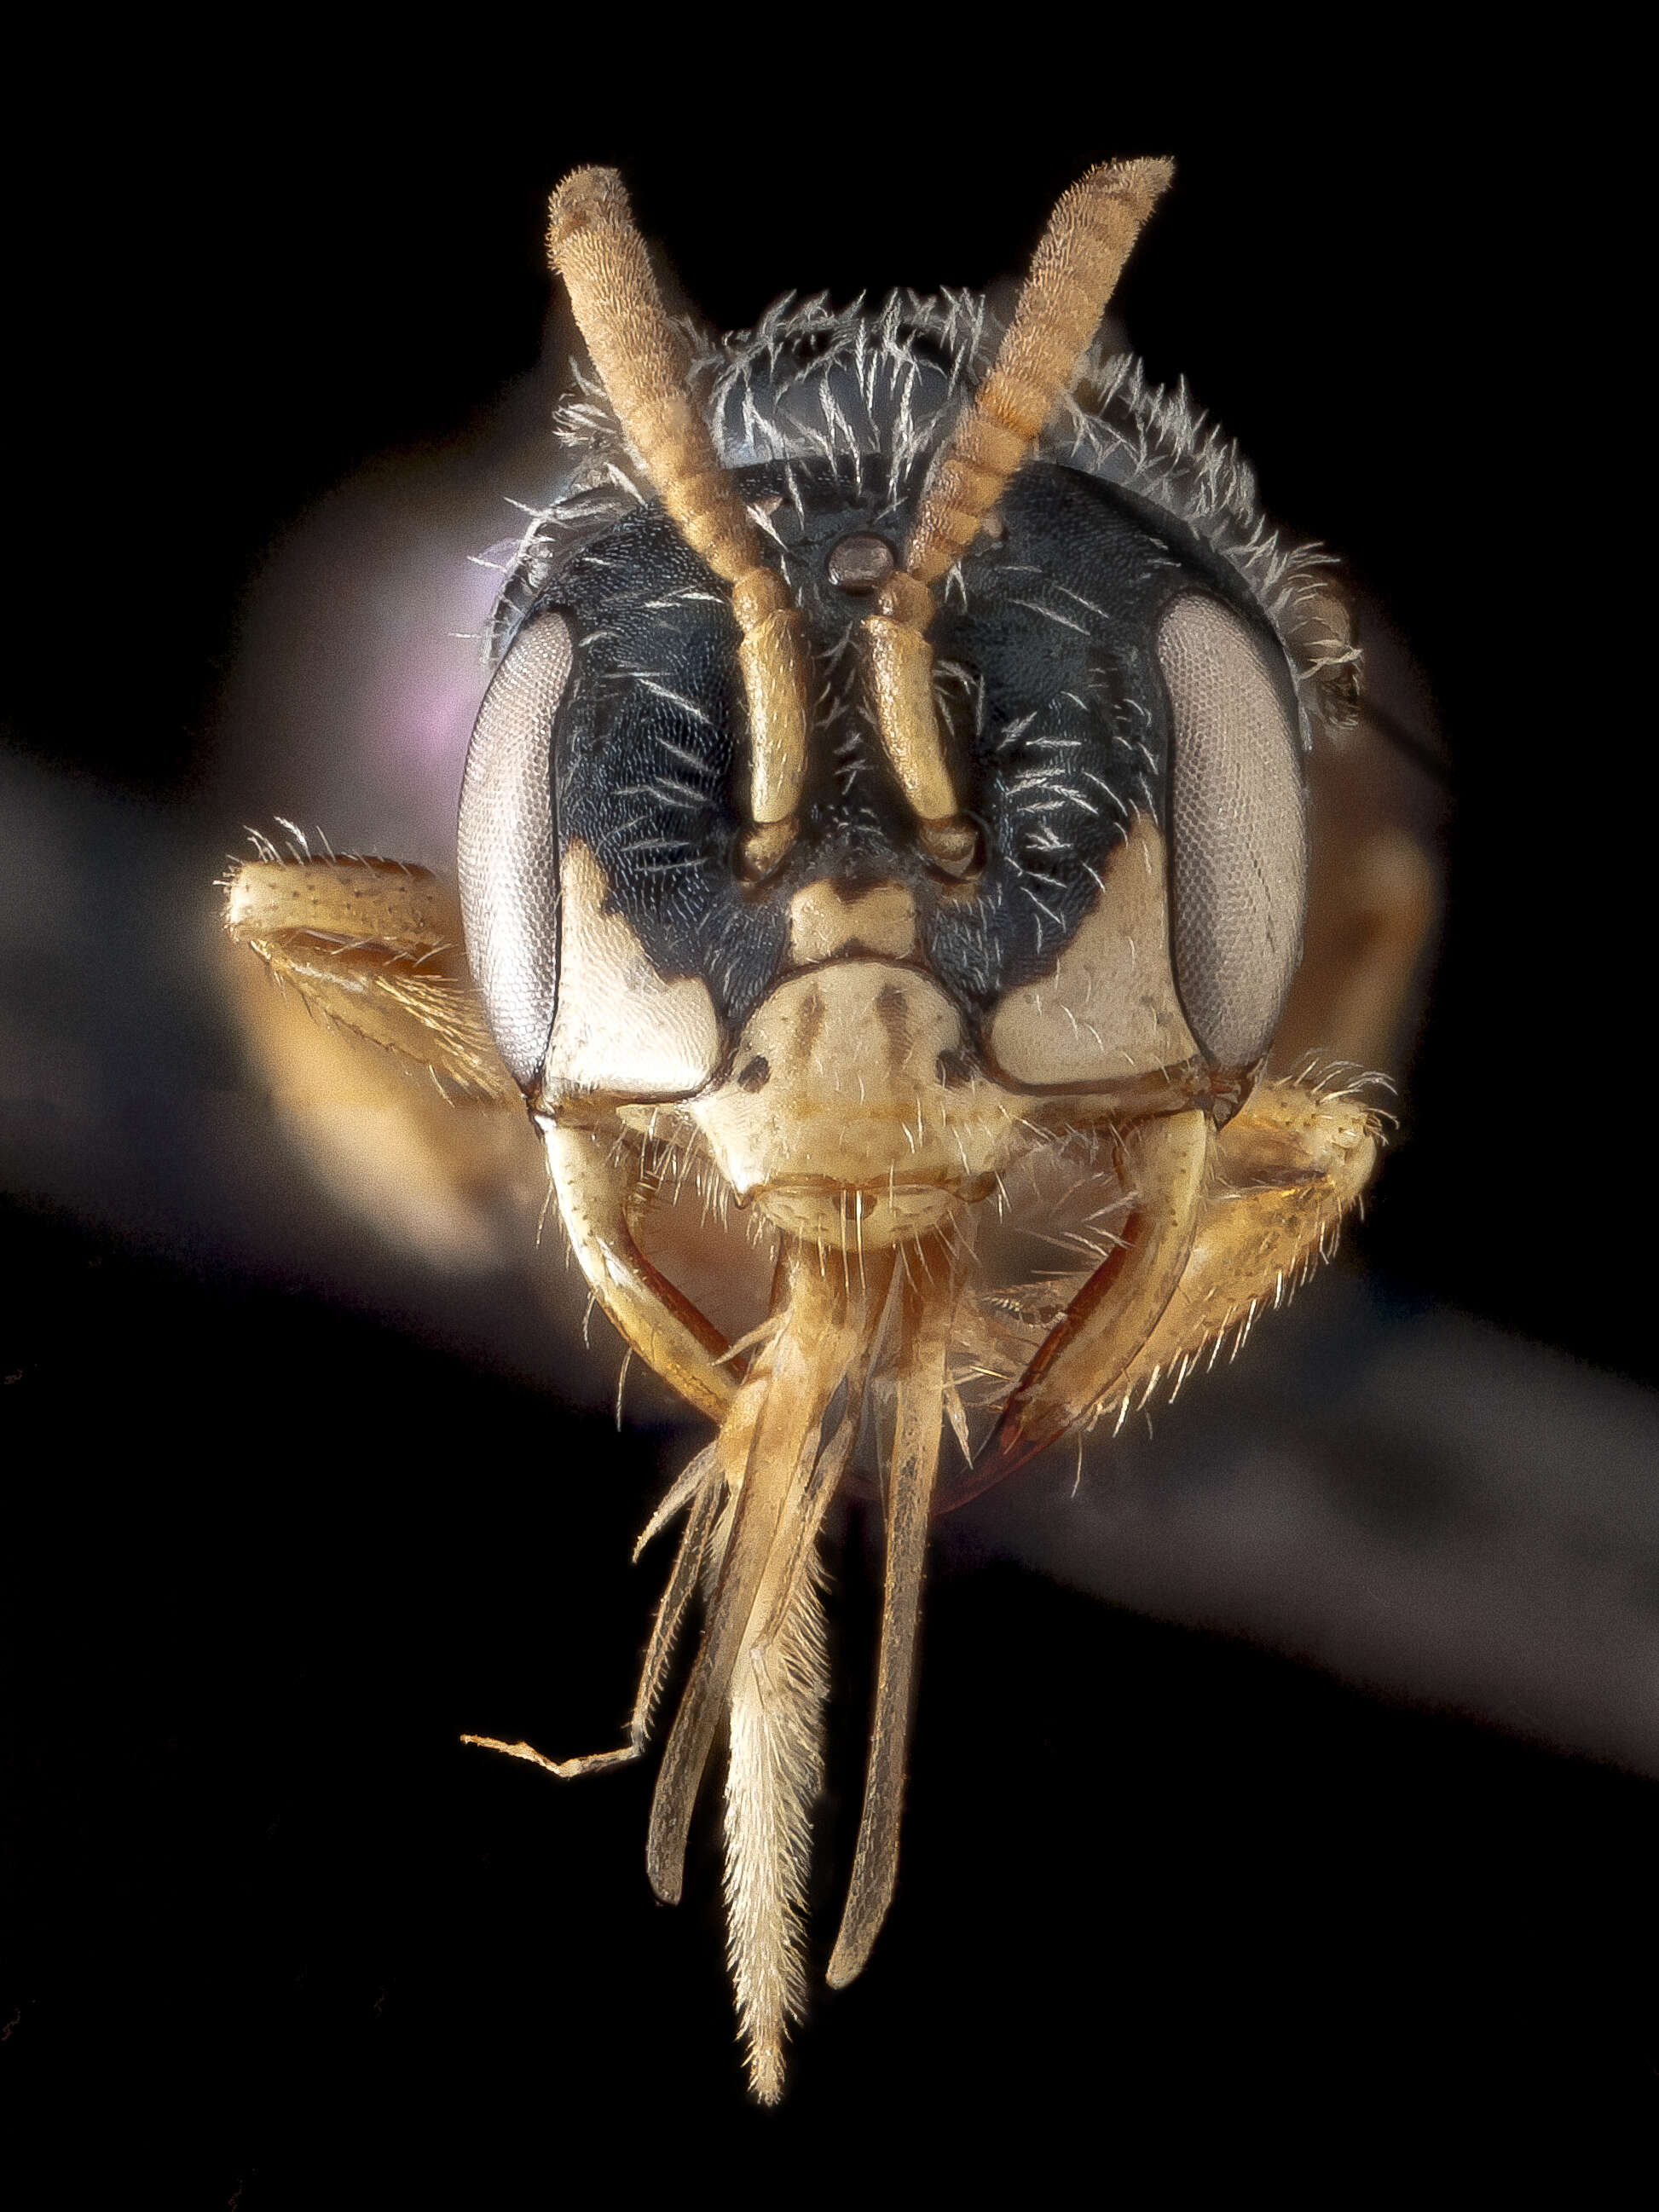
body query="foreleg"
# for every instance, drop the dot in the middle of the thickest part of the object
(376, 947)
(1288, 1169)
(667, 1331)
(1165, 1162)
(1216, 1229)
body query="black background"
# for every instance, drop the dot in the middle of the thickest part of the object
(1163, 1897)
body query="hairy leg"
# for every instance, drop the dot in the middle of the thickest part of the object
(374, 947)
(1203, 1252)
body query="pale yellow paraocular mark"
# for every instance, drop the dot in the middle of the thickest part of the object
(621, 1027)
(1108, 1007)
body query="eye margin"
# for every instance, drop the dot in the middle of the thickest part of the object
(1237, 828)
(506, 843)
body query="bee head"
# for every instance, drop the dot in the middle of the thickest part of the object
(828, 675)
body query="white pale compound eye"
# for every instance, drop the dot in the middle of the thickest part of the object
(1237, 831)
(508, 854)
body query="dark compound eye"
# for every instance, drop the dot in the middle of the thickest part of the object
(508, 857)
(1237, 831)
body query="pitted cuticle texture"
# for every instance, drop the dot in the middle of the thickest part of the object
(1237, 831)
(507, 850)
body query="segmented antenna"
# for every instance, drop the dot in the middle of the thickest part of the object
(592, 244)
(1074, 274)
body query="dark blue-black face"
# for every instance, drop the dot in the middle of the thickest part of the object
(1057, 726)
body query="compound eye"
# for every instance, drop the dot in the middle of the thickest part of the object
(1238, 833)
(508, 856)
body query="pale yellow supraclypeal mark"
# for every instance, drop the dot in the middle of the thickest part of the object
(826, 921)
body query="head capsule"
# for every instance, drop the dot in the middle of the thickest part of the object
(736, 835)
